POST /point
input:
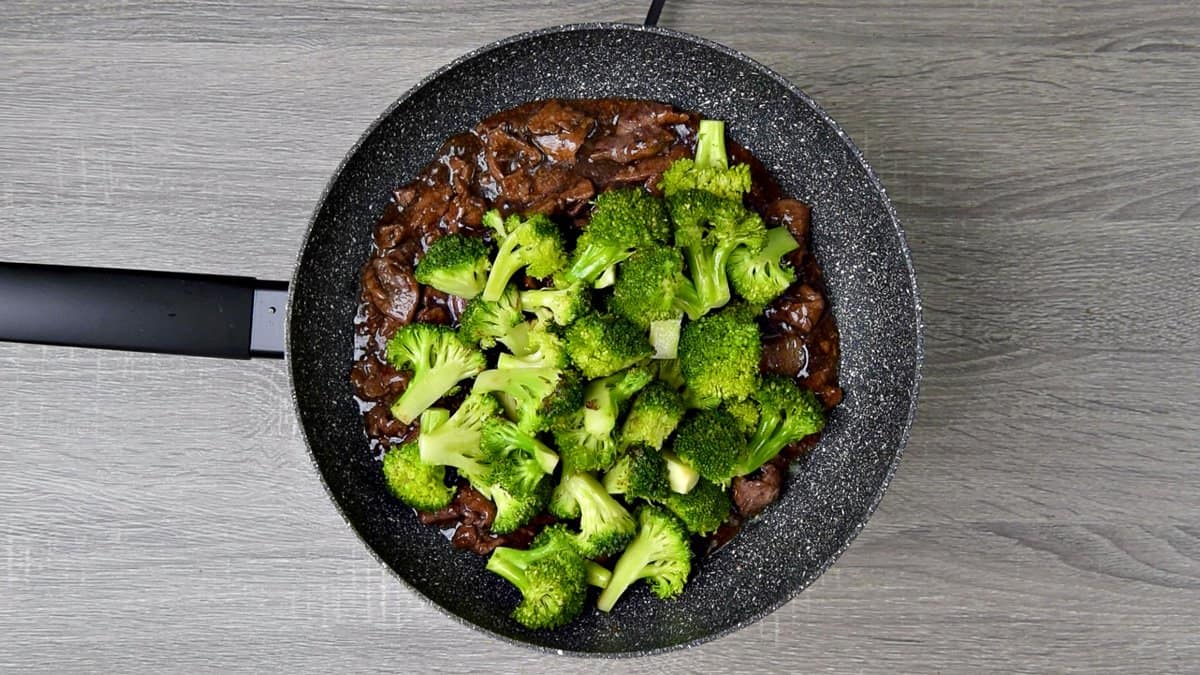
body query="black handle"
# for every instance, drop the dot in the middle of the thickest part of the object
(194, 314)
(652, 15)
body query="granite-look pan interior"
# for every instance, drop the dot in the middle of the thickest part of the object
(856, 238)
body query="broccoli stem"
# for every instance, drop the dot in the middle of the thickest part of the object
(505, 265)
(780, 242)
(423, 391)
(546, 458)
(710, 145)
(630, 567)
(592, 262)
(687, 300)
(708, 274)
(597, 575)
(681, 477)
(505, 565)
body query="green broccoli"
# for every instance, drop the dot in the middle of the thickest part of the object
(660, 553)
(703, 509)
(420, 485)
(541, 349)
(719, 355)
(513, 509)
(622, 222)
(745, 411)
(604, 399)
(601, 344)
(711, 444)
(710, 170)
(484, 323)
(438, 360)
(654, 415)
(605, 526)
(585, 437)
(534, 243)
(581, 450)
(454, 440)
(708, 229)
(760, 277)
(787, 413)
(518, 460)
(551, 576)
(646, 286)
(455, 264)
(561, 305)
(533, 397)
(640, 473)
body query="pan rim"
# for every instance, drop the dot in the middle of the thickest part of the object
(873, 179)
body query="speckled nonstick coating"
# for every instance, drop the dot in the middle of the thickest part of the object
(856, 238)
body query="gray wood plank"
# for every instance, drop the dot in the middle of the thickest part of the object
(161, 514)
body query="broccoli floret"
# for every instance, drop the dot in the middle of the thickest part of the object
(585, 437)
(646, 286)
(601, 344)
(581, 450)
(518, 460)
(455, 264)
(438, 360)
(551, 576)
(484, 323)
(745, 411)
(533, 397)
(659, 553)
(640, 473)
(541, 348)
(604, 399)
(420, 485)
(708, 229)
(703, 509)
(710, 170)
(711, 444)
(454, 440)
(561, 305)
(787, 413)
(719, 354)
(514, 510)
(654, 415)
(535, 244)
(605, 526)
(761, 277)
(622, 222)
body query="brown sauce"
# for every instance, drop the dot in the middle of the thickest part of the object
(553, 157)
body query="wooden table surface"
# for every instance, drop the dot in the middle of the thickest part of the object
(160, 513)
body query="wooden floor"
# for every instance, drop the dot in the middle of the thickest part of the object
(160, 513)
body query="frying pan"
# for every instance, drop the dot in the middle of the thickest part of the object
(855, 236)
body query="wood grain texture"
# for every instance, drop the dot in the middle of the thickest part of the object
(161, 514)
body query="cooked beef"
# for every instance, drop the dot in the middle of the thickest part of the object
(753, 493)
